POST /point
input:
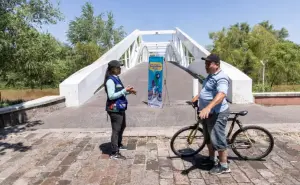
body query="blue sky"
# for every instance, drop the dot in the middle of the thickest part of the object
(195, 17)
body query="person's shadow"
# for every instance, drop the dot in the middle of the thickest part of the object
(105, 148)
(197, 162)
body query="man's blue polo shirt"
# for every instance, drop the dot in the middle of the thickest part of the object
(212, 85)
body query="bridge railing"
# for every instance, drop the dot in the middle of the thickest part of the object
(240, 90)
(82, 85)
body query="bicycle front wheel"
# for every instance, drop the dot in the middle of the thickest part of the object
(252, 142)
(188, 141)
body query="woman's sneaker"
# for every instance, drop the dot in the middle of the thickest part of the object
(122, 147)
(117, 156)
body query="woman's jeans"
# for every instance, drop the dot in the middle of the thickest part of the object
(118, 124)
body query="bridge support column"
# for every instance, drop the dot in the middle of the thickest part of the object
(129, 56)
(125, 60)
(195, 87)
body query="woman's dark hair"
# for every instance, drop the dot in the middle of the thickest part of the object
(107, 74)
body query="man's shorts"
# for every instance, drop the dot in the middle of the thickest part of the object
(214, 129)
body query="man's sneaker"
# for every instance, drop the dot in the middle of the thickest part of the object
(117, 156)
(219, 170)
(122, 147)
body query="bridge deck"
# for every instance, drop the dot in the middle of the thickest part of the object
(174, 113)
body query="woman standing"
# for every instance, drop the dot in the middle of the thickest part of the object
(116, 105)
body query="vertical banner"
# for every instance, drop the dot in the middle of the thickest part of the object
(155, 81)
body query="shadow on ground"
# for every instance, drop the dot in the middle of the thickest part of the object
(105, 148)
(198, 162)
(19, 146)
(4, 132)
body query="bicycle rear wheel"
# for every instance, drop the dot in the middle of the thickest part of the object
(186, 137)
(244, 139)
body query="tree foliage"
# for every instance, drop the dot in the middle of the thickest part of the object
(89, 28)
(30, 58)
(246, 47)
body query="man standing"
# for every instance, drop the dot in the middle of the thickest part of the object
(214, 111)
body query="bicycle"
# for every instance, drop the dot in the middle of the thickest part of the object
(233, 141)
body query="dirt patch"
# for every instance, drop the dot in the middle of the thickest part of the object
(26, 94)
(286, 88)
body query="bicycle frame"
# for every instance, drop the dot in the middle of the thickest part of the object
(233, 120)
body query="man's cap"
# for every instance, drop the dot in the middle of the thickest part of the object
(115, 63)
(212, 58)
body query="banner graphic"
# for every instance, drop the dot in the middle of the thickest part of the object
(155, 81)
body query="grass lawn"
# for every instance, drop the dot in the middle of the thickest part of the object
(286, 88)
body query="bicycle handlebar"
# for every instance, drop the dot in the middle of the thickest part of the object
(195, 104)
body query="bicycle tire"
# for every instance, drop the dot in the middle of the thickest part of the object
(175, 136)
(253, 127)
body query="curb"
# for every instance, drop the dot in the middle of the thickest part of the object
(275, 129)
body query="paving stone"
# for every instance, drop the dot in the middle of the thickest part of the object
(281, 162)
(96, 176)
(64, 182)
(59, 171)
(166, 173)
(151, 178)
(260, 181)
(239, 176)
(107, 181)
(197, 182)
(50, 181)
(210, 179)
(163, 152)
(248, 170)
(124, 174)
(257, 165)
(226, 179)
(152, 165)
(194, 174)
(131, 145)
(72, 170)
(139, 159)
(141, 145)
(22, 181)
(63, 160)
(12, 178)
(151, 146)
(164, 161)
(166, 182)
(137, 173)
(152, 155)
(180, 178)
(177, 164)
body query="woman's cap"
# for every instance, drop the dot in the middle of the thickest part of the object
(115, 63)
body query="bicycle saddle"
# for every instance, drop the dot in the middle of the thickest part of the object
(241, 113)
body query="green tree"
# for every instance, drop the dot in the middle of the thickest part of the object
(90, 28)
(284, 64)
(19, 39)
(245, 48)
(280, 34)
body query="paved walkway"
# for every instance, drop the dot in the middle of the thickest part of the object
(77, 157)
(176, 112)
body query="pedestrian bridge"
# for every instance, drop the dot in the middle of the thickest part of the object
(183, 56)
(81, 103)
